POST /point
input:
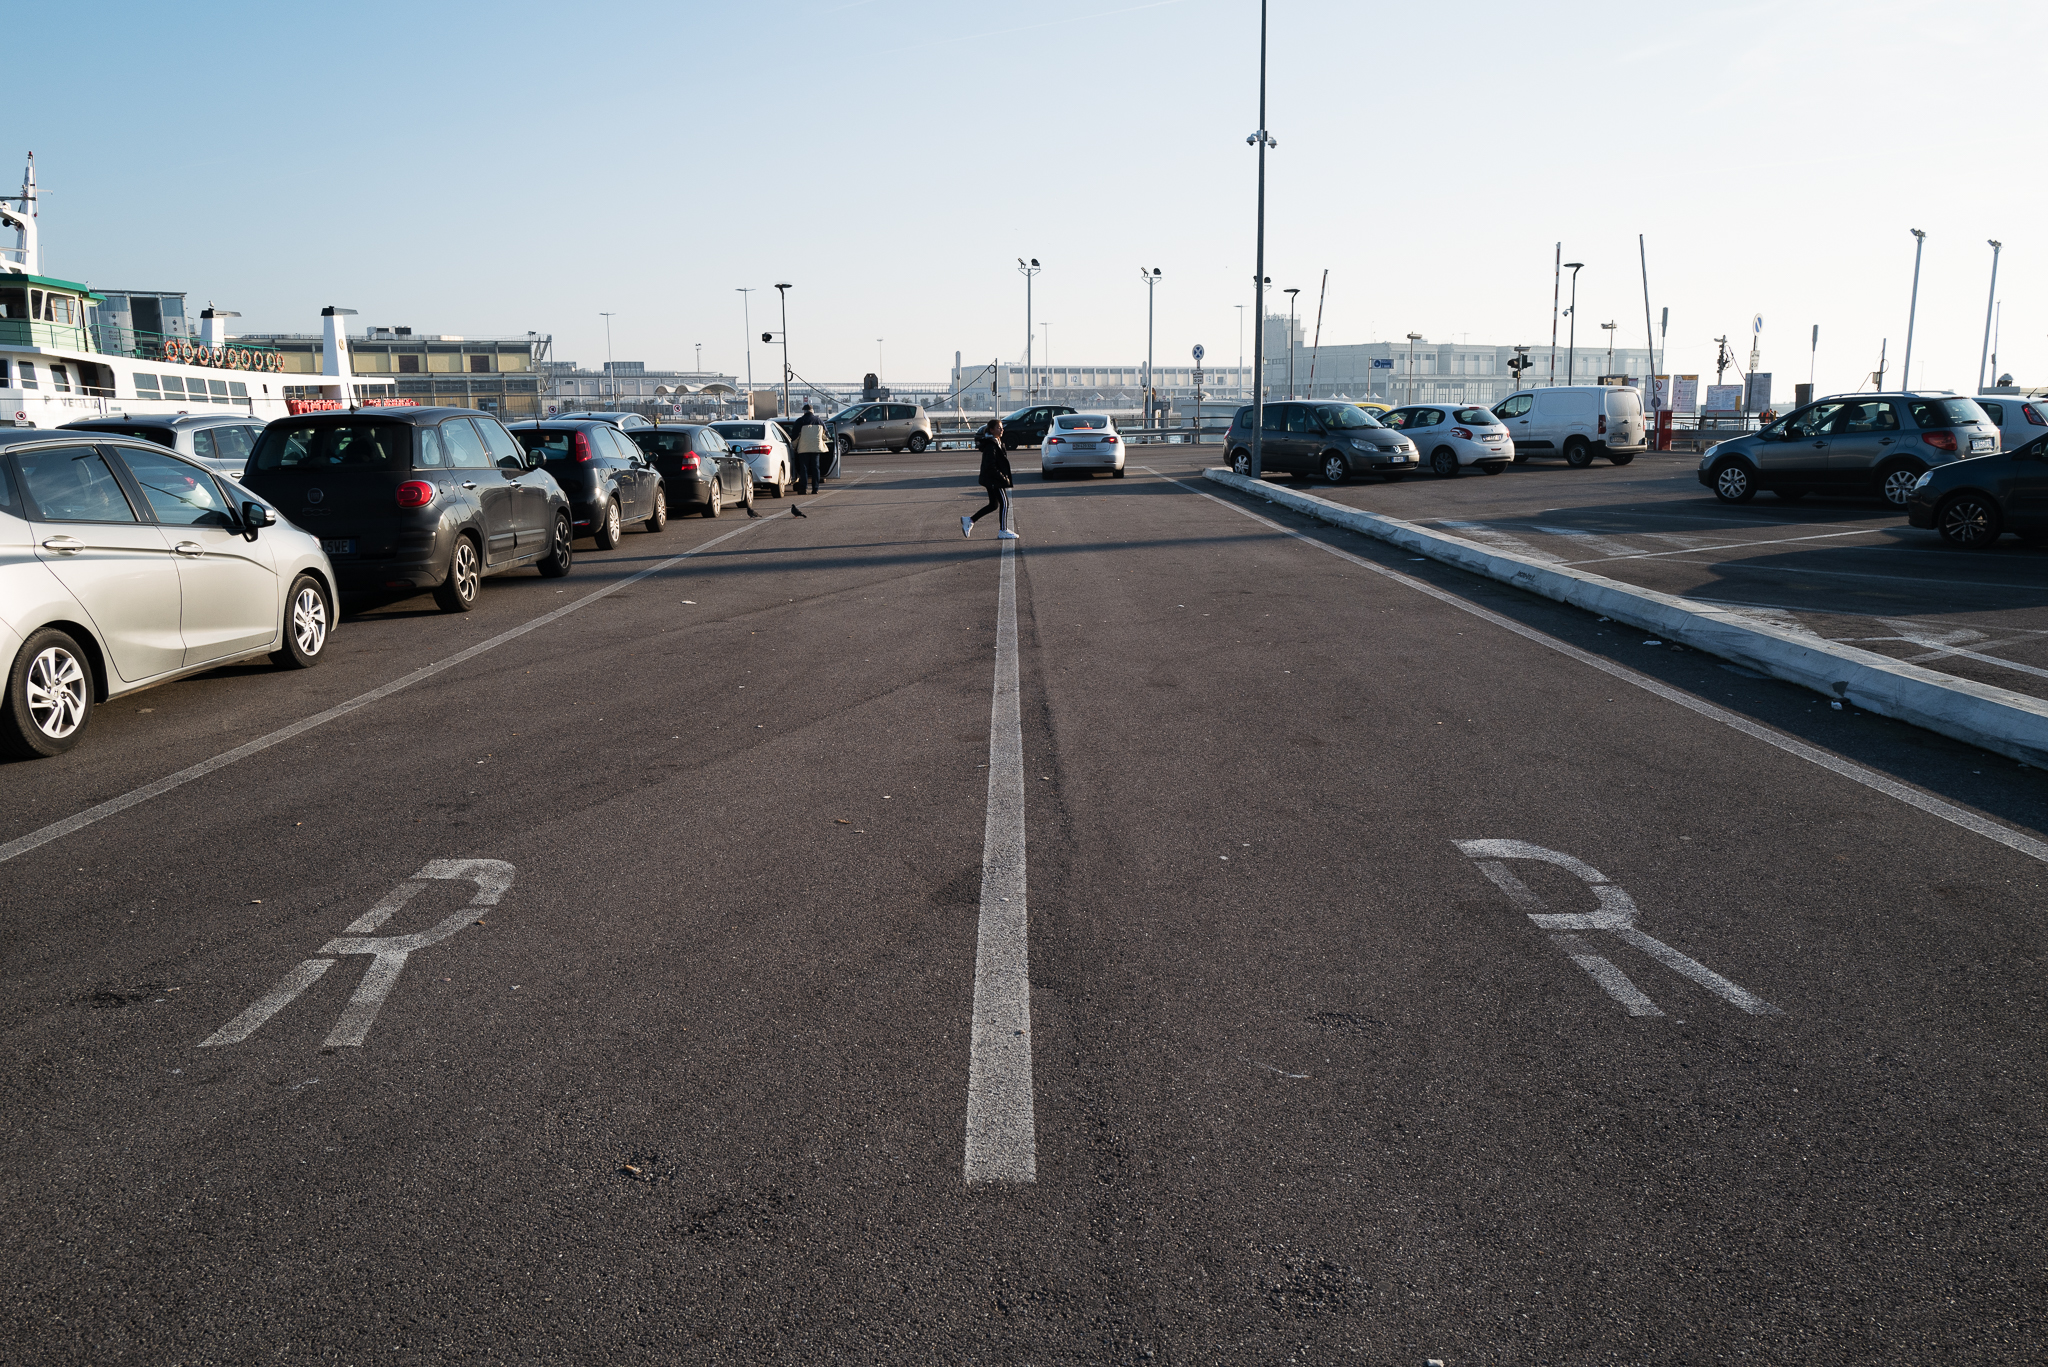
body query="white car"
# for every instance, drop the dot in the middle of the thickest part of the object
(1449, 437)
(765, 450)
(124, 565)
(1576, 421)
(1081, 444)
(2019, 417)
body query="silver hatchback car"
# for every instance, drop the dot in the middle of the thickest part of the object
(124, 565)
(1850, 444)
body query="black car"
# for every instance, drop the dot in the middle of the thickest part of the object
(1028, 426)
(415, 498)
(608, 480)
(1331, 438)
(219, 441)
(1974, 502)
(698, 469)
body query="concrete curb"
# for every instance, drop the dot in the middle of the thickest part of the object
(1995, 719)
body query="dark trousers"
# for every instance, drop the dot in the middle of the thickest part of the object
(807, 469)
(998, 502)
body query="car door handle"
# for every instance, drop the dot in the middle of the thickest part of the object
(1884, 441)
(469, 484)
(64, 545)
(1817, 445)
(189, 548)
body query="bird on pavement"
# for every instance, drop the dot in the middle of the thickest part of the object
(795, 511)
(751, 512)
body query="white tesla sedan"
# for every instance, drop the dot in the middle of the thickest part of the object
(1081, 444)
(123, 566)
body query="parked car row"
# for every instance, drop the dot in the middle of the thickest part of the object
(130, 557)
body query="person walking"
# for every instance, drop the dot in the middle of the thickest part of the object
(810, 448)
(995, 477)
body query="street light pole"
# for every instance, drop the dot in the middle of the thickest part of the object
(1413, 338)
(1912, 311)
(782, 292)
(1027, 272)
(609, 373)
(1571, 353)
(1290, 338)
(1150, 278)
(1985, 354)
(747, 321)
(1608, 328)
(1240, 351)
(700, 358)
(1261, 140)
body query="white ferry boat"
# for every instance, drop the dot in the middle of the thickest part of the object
(58, 363)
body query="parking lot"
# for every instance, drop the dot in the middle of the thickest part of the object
(648, 959)
(1847, 569)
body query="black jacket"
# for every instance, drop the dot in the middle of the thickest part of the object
(995, 466)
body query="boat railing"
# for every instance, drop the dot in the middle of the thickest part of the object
(143, 345)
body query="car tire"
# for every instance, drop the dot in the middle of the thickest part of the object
(1734, 482)
(1045, 474)
(1335, 469)
(1577, 453)
(308, 618)
(714, 502)
(1443, 463)
(845, 445)
(555, 564)
(1117, 473)
(747, 498)
(1970, 521)
(918, 442)
(781, 481)
(1241, 463)
(1790, 495)
(1622, 459)
(1895, 482)
(607, 532)
(659, 518)
(1521, 457)
(458, 591)
(51, 662)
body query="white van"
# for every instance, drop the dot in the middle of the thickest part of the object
(1576, 421)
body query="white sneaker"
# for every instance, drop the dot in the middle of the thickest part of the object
(966, 525)
(1008, 536)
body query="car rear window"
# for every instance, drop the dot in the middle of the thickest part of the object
(1083, 421)
(742, 431)
(334, 446)
(552, 445)
(1624, 403)
(162, 436)
(1945, 412)
(1477, 417)
(663, 443)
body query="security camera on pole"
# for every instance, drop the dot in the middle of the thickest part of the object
(1027, 272)
(1150, 278)
(1198, 354)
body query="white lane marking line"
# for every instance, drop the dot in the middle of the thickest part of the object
(1480, 532)
(1616, 917)
(1941, 650)
(492, 878)
(1855, 773)
(1002, 1143)
(58, 830)
(1611, 549)
(1630, 553)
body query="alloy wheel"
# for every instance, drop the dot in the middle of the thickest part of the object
(1898, 486)
(464, 570)
(1732, 483)
(309, 621)
(56, 688)
(1968, 522)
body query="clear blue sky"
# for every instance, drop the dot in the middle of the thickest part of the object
(493, 168)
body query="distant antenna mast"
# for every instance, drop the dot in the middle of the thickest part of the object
(27, 257)
(1317, 346)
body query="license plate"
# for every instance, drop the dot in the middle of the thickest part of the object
(1085, 446)
(338, 547)
(1980, 443)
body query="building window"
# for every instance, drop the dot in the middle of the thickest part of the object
(408, 365)
(479, 365)
(61, 378)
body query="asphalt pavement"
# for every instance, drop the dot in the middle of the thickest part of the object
(1414, 969)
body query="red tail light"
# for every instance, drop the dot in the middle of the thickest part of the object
(1465, 433)
(1109, 440)
(415, 493)
(1603, 426)
(582, 448)
(2032, 416)
(1054, 441)
(1940, 441)
(687, 464)
(755, 450)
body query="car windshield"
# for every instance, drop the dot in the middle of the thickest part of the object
(742, 431)
(1336, 415)
(334, 446)
(1089, 421)
(1946, 412)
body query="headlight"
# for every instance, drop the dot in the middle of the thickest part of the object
(1924, 480)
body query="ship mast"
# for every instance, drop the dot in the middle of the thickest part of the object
(25, 259)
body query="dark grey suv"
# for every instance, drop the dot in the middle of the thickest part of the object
(1850, 444)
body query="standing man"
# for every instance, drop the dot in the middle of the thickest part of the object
(995, 477)
(810, 448)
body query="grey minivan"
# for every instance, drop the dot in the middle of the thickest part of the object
(880, 426)
(1850, 444)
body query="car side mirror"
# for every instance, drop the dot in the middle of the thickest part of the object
(534, 460)
(255, 517)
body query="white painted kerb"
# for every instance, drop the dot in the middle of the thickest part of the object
(1996, 719)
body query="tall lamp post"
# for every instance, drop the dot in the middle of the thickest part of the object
(1240, 351)
(1413, 338)
(1027, 272)
(609, 374)
(1912, 310)
(782, 291)
(1290, 338)
(1988, 303)
(1608, 328)
(1150, 278)
(1261, 140)
(747, 321)
(1572, 339)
